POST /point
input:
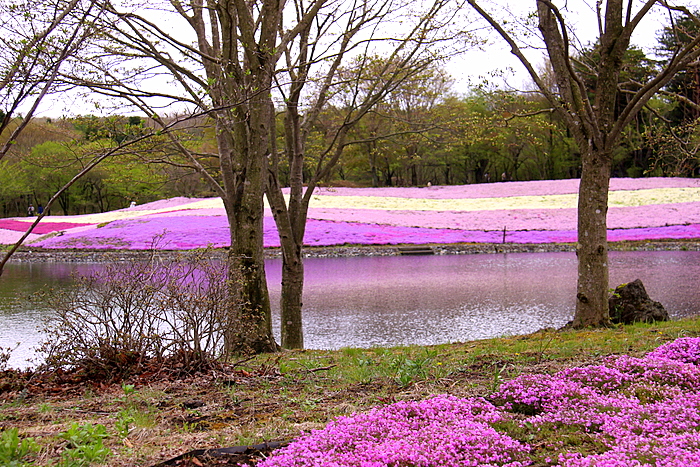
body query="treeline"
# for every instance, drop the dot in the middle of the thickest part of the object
(422, 134)
(136, 166)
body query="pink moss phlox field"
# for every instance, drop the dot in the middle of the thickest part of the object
(41, 228)
(185, 223)
(494, 190)
(655, 215)
(191, 231)
(442, 431)
(170, 233)
(625, 411)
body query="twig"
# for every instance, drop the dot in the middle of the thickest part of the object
(323, 368)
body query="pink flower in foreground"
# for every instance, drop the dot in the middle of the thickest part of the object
(624, 412)
(440, 431)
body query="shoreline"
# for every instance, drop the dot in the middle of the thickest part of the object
(28, 255)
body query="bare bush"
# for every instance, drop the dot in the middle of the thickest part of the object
(114, 321)
(5, 354)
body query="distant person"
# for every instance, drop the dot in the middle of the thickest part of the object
(40, 209)
(30, 210)
(132, 204)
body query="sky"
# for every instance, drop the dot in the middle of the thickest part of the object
(502, 69)
(493, 63)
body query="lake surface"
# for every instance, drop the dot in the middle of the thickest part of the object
(401, 300)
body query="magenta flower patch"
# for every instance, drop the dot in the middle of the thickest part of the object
(442, 431)
(640, 209)
(41, 228)
(625, 412)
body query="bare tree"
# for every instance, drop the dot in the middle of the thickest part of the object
(349, 66)
(36, 39)
(216, 59)
(591, 117)
(240, 58)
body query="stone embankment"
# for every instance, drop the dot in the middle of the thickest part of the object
(88, 256)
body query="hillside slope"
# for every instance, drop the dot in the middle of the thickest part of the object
(529, 212)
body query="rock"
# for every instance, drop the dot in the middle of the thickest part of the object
(630, 303)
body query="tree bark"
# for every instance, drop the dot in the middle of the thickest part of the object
(291, 302)
(592, 247)
(243, 146)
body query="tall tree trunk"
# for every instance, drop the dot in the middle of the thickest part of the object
(291, 225)
(252, 330)
(291, 299)
(592, 248)
(244, 142)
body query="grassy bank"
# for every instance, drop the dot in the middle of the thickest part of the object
(154, 417)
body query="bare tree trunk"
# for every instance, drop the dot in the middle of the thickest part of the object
(243, 149)
(592, 248)
(291, 225)
(291, 299)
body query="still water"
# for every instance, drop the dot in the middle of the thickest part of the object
(397, 300)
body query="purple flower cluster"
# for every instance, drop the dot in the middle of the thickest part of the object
(624, 412)
(440, 431)
(182, 225)
(683, 350)
(41, 228)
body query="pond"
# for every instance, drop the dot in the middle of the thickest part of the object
(401, 300)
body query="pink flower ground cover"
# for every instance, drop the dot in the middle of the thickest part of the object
(41, 228)
(655, 215)
(623, 412)
(185, 223)
(495, 190)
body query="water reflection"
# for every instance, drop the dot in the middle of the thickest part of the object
(397, 300)
(21, 315)
(431, 299)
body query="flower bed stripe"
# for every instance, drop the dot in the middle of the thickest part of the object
(658, 215)
(497, 190)
(188, 232)
(616, 198)
(41, 228)
(531, 212)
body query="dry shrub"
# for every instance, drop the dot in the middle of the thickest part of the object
(5, 354)
(127, 316)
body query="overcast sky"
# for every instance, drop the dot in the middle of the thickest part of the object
(477, 66)
(581, 16)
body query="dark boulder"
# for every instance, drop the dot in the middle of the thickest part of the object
(630, 303)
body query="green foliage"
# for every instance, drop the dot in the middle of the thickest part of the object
(85, 445)
(410, 370)
(12, 183)
(14, 449)
(124, 422)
